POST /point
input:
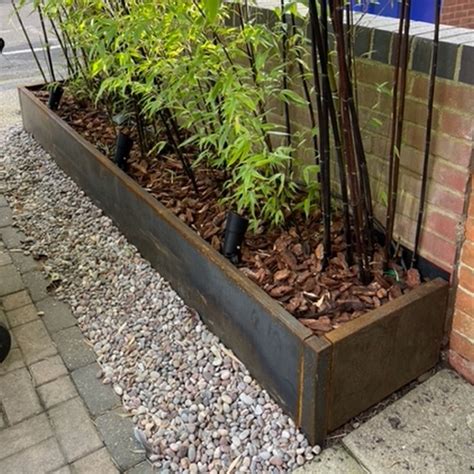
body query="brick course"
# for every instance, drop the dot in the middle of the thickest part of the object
(458, 13)
(462, 337)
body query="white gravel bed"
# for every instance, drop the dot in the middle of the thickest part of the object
(195, 405)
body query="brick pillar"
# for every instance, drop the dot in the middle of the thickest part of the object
(461, 352)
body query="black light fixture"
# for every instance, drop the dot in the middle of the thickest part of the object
(5, 342)
(122, 150)
(235, 229)
(55, 95)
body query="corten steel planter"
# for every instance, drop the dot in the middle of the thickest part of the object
(321, 382)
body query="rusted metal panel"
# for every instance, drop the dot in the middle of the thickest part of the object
(374, 356)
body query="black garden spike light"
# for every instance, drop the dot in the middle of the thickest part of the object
(55, 95)
(235, 229)
(122, 150)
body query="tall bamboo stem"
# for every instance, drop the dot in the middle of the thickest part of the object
(397, 123)
(429, 124)
(357, 203)
(27, 37)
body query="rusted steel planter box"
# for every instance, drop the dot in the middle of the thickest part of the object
(321, 382)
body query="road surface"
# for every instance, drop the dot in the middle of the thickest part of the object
(17, 64)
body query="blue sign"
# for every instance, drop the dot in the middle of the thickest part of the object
(421, 10)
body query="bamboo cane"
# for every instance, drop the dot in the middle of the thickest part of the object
(429, 123)
(46, 41)
(337, 8)
(27, 37)
(390, 215)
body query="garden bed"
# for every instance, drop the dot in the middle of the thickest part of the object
(322, 381)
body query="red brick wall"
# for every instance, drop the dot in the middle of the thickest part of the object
(461, 353)
(452, 139)
(458, 13)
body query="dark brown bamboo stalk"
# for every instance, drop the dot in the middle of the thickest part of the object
(356, 199)
(251, 58)
(429, 124)
(306, 89)
(397, 122)
(27, 37)
(318, 51)
(62, 46)
(46, 42)
(322, 49)
(284, 57)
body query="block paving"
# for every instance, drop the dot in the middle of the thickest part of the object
(55, 414)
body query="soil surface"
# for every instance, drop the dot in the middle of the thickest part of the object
(285, 262)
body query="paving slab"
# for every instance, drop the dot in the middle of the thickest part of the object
(12, 238)
(10, 280)
(47, 370)
(58, 391)
(333, 460)
(74, 429)
(117, 432)
(37, 285)
(97, 396)
(34, 341)
(5, 217)
(5, 258)
(43, 457)
(100, 460)
(16, 300)
(143, 468)
(431, 429)
(22, 315)
(18, 396)
(25, 263)
(73, 349)
(57, 315)
(13, 361)
(23, 435)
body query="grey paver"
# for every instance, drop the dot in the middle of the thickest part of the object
(100, 460)
(16, 300)
(73, 349)
(3, 201)
(58, 391)
(74, 429)
(3, 318)
(5, 217)
(97, 396)
(5, 258)
(18, 396)
(25, 263)
(57, 315)
(143, 468)
(431, 429)
(334, 460)
(43, 457)
(34, 341)
(117, 433)
(37, 285)
(12, 238)
(23, 435)
(22, 315)
(62, 470)
(10, 280)
(13, 361)
(47, 370)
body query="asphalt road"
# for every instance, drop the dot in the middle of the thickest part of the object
(17, 64)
